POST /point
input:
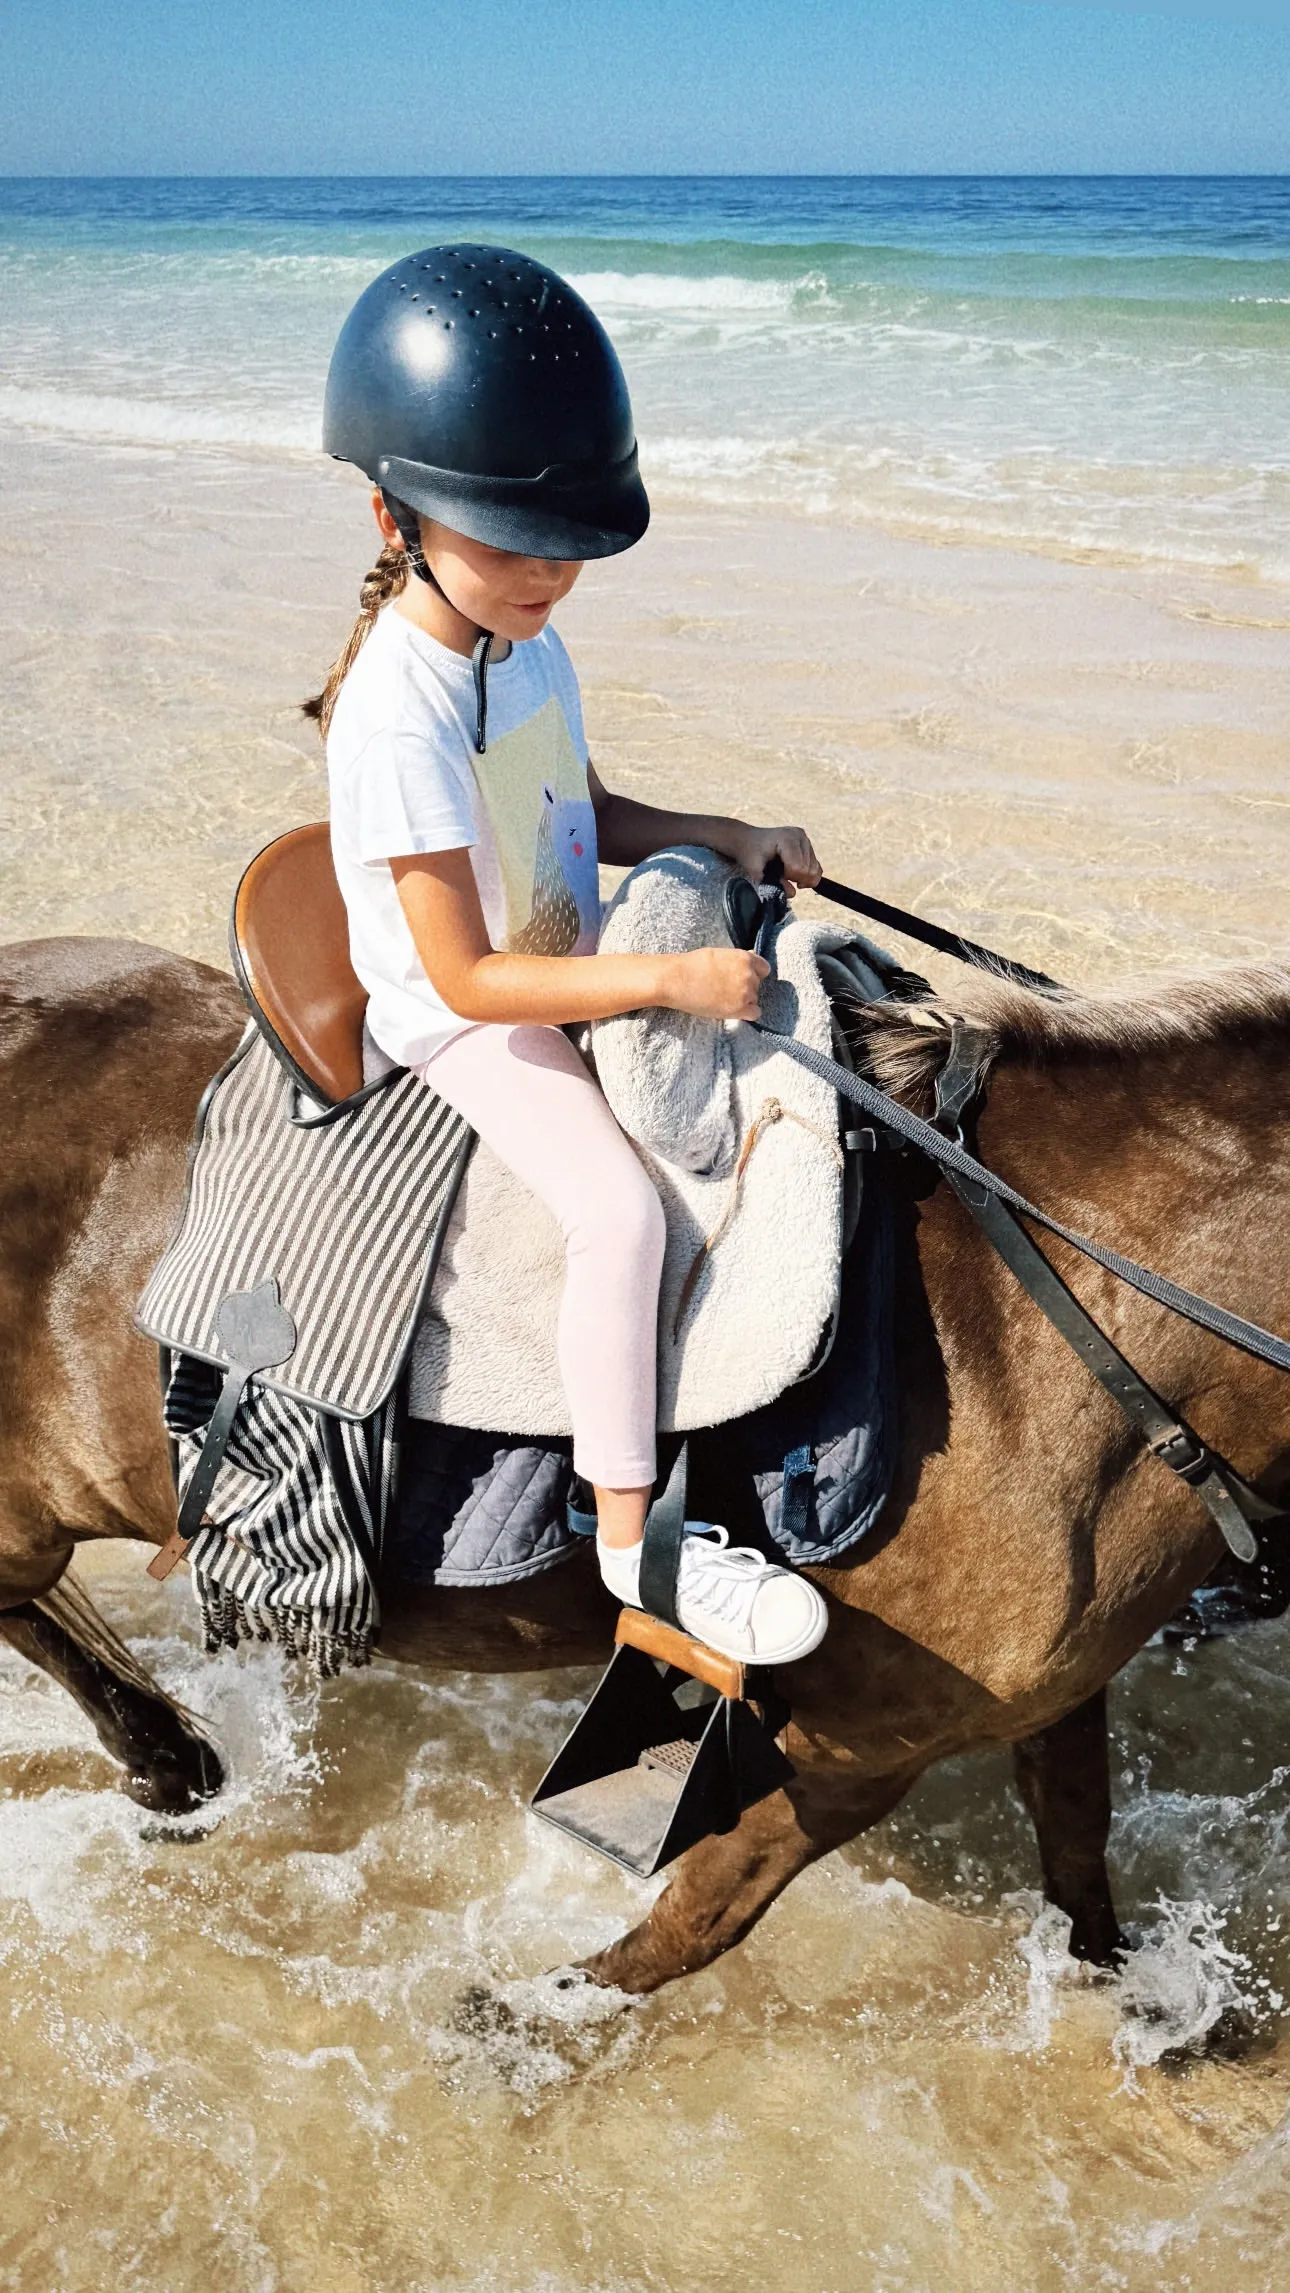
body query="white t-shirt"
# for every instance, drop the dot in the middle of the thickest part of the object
(405, 778)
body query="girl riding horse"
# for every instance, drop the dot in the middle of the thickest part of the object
(486, 404)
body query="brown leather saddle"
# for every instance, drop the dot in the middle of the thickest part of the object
(289, 940)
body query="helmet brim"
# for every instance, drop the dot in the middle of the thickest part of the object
(560, 515)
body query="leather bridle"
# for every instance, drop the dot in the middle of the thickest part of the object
(998, 1209)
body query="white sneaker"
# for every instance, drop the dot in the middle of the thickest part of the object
(730, 1597)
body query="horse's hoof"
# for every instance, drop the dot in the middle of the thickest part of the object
(1098, 1943)
(482, 2013)
(536, 2032)
(175, 1784)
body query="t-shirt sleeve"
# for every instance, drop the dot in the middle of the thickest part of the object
(404, 795)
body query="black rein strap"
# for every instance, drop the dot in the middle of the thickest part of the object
(992, 1201)
(955, 1161)
(931, 935)
(1231, 1501)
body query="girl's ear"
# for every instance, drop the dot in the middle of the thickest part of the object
(389, 532)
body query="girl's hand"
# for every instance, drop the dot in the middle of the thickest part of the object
(716, 983)
(752, 849)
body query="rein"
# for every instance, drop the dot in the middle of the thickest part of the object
(998, 1209)
(931, 935)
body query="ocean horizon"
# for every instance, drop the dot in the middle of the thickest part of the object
(1087, 364)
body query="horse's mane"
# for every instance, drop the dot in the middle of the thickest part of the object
(905, 1044)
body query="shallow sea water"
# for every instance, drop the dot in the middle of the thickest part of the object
(1062, 363)
(243, 2059)
(237, 2055)
(240, 2060)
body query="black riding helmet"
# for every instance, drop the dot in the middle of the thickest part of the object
(475, 386)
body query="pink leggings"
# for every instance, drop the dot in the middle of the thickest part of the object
(529, 1095)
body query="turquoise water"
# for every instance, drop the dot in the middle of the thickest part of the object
(1096, 364)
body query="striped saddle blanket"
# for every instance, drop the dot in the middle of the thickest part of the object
(341, 1213)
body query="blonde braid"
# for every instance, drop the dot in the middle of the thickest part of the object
(388, 576)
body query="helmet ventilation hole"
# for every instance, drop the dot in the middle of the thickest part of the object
(566, 440)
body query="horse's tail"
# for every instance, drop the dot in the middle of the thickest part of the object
(69, 1605)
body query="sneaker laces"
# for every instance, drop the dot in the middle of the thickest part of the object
(724, 1579)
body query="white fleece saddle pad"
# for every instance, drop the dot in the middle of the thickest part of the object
(743, 1147)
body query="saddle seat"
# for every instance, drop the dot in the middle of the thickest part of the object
(696, 1101)
(289, 941)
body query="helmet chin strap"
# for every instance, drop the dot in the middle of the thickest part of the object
(410, 535)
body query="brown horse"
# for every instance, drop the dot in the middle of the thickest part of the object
(1029, 1547)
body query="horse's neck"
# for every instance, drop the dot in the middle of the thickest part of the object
(1179, 1158)
(1078, 1117)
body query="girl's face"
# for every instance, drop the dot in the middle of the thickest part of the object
(494, 588)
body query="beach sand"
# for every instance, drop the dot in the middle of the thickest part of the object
(1080, 762)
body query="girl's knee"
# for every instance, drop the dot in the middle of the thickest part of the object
(623, 1224)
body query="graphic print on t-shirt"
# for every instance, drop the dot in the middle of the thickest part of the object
(534, 791)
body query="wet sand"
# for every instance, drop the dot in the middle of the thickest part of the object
(240, 2062)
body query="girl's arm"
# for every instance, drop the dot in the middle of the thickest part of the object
(438, 895)
(627, 832)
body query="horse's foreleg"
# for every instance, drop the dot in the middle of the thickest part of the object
(1065, 1780)
(169, 1765)
(720, 1889)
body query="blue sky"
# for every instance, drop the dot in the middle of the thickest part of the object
(643, 86)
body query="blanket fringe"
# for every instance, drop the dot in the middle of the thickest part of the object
(300, 1633)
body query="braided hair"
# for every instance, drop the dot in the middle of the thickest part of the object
(388, 576)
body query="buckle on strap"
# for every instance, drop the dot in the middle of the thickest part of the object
(958, 1084)
(1182, 1453)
